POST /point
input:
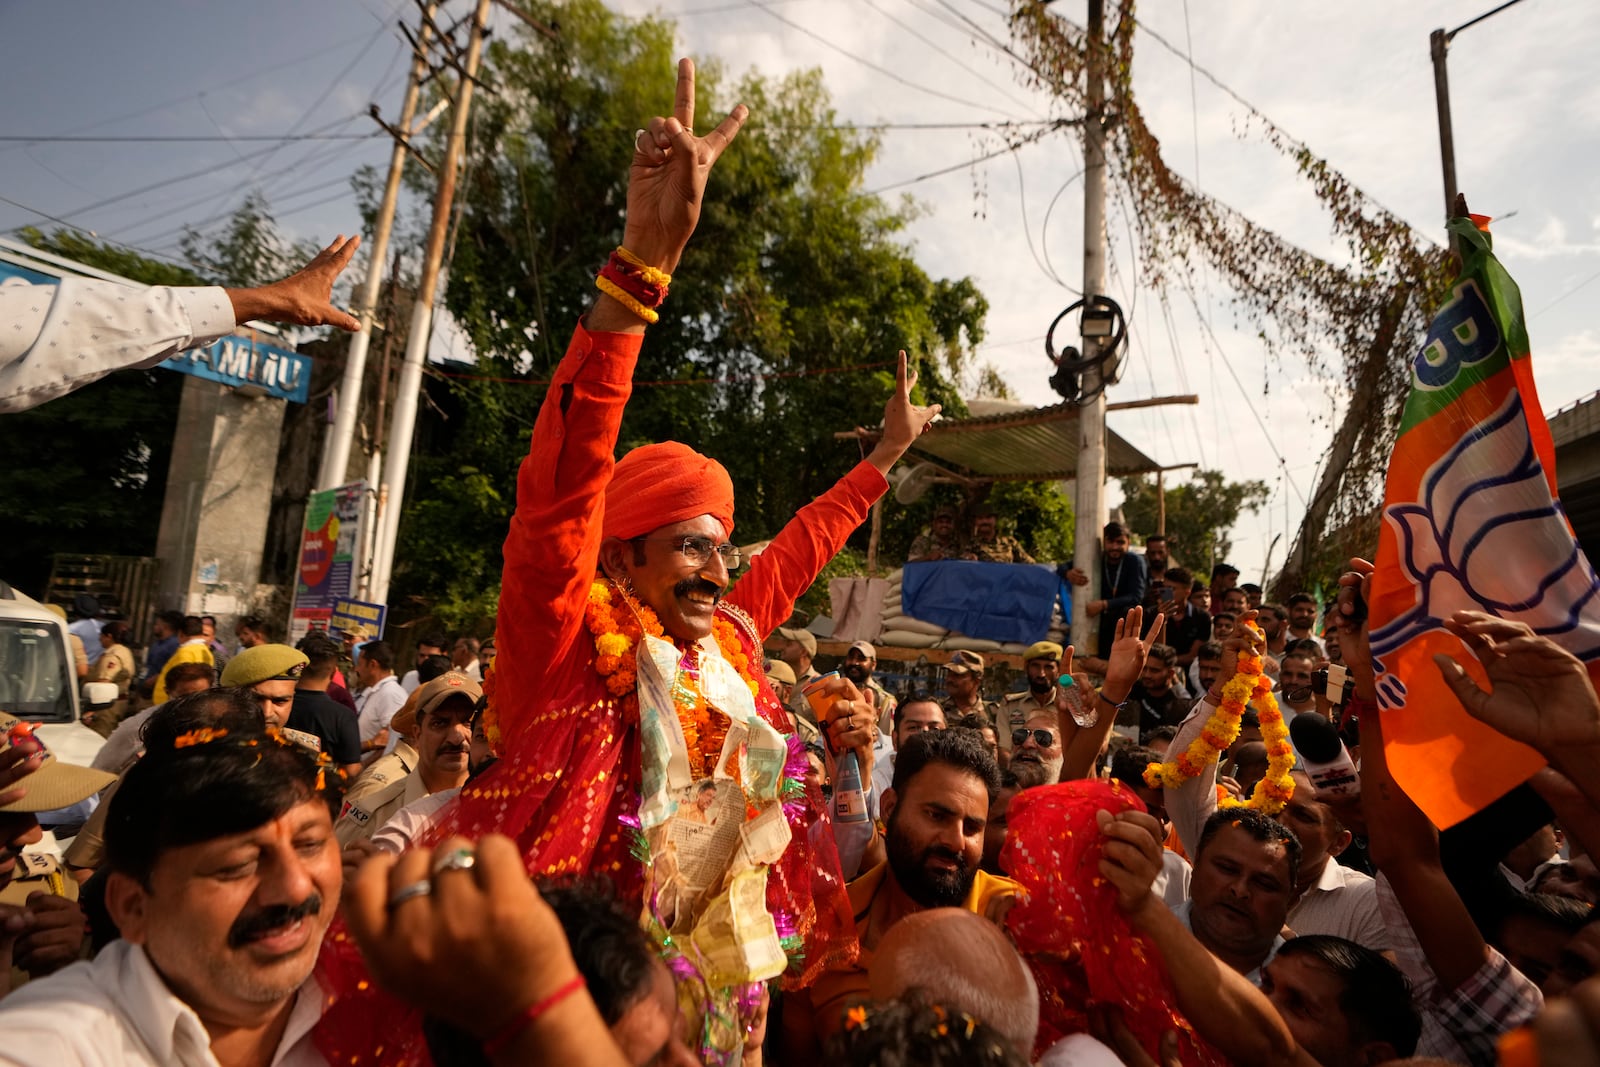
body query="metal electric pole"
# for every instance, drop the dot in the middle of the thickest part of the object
(1089, 496)
(336, 456)
(1439, 49)
(391, 493)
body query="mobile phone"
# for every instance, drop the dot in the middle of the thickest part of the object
(1164, 593)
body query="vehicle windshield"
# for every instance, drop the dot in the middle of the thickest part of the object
(33, 672)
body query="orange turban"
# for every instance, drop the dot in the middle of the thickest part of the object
(657, 485)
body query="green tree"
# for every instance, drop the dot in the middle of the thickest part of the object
(784, 317)
(87, 471)
(1200, 515)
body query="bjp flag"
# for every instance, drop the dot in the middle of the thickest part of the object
(1471, 522)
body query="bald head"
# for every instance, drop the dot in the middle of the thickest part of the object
(958, 958)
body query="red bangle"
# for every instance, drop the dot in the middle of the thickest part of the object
(528, 1016)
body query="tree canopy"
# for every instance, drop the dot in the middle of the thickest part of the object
(782, 326)
(1200, 515)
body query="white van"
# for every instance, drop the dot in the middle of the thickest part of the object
(37, 680)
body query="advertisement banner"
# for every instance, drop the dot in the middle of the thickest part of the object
(329, 541)
(360, 618)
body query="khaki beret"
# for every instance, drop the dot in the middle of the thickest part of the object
(1042, 650)
(264, 663)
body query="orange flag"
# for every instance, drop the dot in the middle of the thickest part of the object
(1471, 521)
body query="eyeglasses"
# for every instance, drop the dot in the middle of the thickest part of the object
(1042, 738)
(697, 550)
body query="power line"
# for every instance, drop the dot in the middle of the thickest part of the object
(913, 31)
(180, 138)
(869, 64)
(1566, 294)
(1020, 144)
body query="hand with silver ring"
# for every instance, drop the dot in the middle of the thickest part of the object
(410, 892)
(459, 859)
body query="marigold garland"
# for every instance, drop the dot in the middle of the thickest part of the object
(617, 632)
(1250, 686)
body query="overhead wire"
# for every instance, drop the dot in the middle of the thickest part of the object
(913, 31)
(1018, 146)
(870, 65)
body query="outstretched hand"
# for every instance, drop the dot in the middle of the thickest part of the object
(903, 421)
(1539, 694)
(304, 298)
(668, 179)
(1128, 653)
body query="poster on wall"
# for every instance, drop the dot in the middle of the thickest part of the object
(329, 542)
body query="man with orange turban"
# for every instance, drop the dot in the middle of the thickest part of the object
(628, 673)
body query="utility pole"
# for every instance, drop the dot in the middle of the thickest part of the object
(391, 493)
(336, 456)
(1439, 48)
(1089, 491)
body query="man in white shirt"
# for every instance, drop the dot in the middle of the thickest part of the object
(912, 717)
(81, 329)
(380, 697)
(427, 645)
(224, 878)
(464, 658)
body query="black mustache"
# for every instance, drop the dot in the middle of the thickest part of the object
(444, 749)
(697, 585)
(248, 927)
(946, 853)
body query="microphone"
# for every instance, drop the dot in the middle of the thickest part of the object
(1327, 761)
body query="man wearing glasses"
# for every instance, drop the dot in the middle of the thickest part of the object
(633, 665)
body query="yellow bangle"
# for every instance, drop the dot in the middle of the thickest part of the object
(616, 292)
(650, 275)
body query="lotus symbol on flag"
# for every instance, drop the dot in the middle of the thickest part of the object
(1488, 536)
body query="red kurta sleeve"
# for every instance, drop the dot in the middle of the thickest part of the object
(788, 566)
(554, 545)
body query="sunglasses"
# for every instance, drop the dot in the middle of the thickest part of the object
(1042, 738)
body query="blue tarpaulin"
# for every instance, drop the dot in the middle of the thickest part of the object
(993, 601)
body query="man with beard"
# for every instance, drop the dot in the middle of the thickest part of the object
(934, 826)
(1037, 744)
(860, 660)
(1294, 684)
(1155, 563)
(1274, 622)
(1122, 584)
(224, 875)
(1303, 619)
(1155, 700)
(443, 712)
(1042, 664)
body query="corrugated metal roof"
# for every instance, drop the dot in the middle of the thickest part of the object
(1032, 444)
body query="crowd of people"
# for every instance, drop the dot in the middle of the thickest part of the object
(651, 832)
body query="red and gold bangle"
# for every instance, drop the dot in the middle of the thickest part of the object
(530, 1015)
(634, 284)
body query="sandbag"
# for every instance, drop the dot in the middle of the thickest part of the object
(916, 626)
(906, 639)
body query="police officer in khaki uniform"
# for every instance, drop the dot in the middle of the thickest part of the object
(781, 676)
(399, 761)
(963, 686)
(270, 673)
(442, 718)
(1042, 664)
(33, 885)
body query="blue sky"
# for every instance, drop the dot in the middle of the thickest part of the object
(1352, 80)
